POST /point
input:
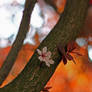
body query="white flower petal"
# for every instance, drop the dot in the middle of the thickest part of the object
(46, 59)
(40, 58)
(47, 64)
(44, 50)
(39, 52)
(51, 61)
(48, 54)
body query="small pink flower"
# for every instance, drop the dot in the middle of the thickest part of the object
(45, 56)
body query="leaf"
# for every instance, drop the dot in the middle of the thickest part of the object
(69, 57)
(61, 49)
(71, 46)
(64, 60)
(77, 53)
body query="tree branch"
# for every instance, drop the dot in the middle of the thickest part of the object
(33, 78)
(23, 29)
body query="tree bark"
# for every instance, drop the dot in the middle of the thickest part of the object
(33, 78)
(23, 29)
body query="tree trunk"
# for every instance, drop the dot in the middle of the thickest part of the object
(33, 78)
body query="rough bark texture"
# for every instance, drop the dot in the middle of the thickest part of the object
(33, 78)
(23, 29)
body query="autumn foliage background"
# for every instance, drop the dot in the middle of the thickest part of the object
(67, 78)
